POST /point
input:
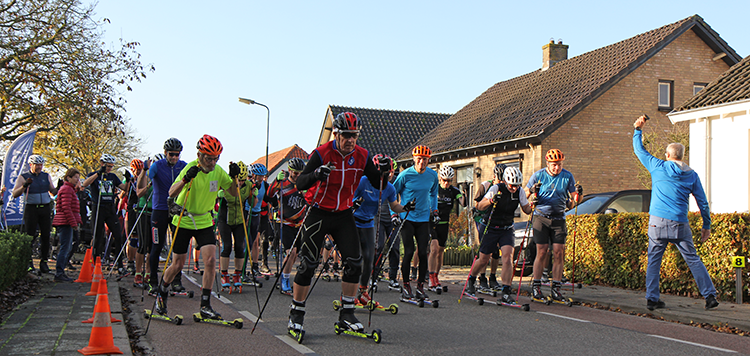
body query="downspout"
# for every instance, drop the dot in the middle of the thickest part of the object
(708, 161)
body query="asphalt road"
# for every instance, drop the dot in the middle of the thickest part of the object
(451, 329)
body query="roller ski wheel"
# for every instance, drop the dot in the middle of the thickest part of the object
(188, 294)
(372, 306)
(297, 335)
(375, 335)
(475, 298)
(487, 291)
(546, 301)
(236, 323)
(177, 319)
(336, 305)
(418, 302)
(436, 289)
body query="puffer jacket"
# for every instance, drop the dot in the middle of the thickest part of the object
(67, 208)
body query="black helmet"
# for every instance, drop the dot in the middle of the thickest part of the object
(347, 122)
(173, 144)
(296, 164)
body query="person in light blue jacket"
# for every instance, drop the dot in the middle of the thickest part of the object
(672, 182)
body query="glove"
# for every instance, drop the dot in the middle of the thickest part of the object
(358, 202)
(536, 187)
(395, 219)
(147, 164)
(190, 174)
(498, 196)
(128, 176)
(281, 176)
(60, 183)
(322, 172)
(579, 189)
(384, 164)
(234, 170)
(410, 205)
(28, 182)
(174, 208)
(101, 170)
(435, 216)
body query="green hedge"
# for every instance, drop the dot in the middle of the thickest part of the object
(611, 249)
(458, 256)
(15, 254)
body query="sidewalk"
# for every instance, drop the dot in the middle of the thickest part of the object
(50, 322)
(681, 309)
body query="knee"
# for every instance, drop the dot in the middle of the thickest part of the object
(352, 269)
(306, 269)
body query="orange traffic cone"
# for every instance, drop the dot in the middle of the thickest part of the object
(86, 268)
(101, 340)
(102, 290)
(95, 279)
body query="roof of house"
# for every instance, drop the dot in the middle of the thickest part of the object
(390, 131)
(277, 158)
(732, 85)
(533, 105)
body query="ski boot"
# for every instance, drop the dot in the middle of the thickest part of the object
(237, 281)
(365, 300)
(177, 287)
(493, 283)
(439, 285)
(196, 267)
(557, 297)
(296, 319)
(208, 313)
(161, 299)
(264, 269)
(484, 288)
(470, 288)
(256, 270)
(336, 271)
(151, 289)
(347, 320)
(226, 284)
(325, 271)
(286, 285)
(420, 294)
(413, 274)
(406, 291)
(138, 281)
(131, 267)
(545, 276)
(536, 293)
(393, 285)
(507, 297)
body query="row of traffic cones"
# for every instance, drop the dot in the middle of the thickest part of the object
(101, 341)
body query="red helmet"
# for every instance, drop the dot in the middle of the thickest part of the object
(347, 122)
(383, 158)
(421, 151)
(554, 155)
(136, 164)
(209, 145)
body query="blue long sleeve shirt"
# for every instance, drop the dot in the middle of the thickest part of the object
(422, 188)
(671, 185)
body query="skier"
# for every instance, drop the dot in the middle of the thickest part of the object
(420, 184)
(479, 218)
(502, 200)
(259, 173)
(449, 197)
(366, 199)
(333, 172)
(130, 198)
(231, 226)
(143, 227)
(161, 174)
(555, 190)
(195, 192)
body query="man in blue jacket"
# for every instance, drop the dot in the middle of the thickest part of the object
(672, 182)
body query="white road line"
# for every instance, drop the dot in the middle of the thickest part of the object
(693, 343)
(193, 281)
(252, 318)
(294, 344)
(564, 317)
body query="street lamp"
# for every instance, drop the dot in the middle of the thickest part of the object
(268, 121)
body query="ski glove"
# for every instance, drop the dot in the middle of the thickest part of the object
(128, 176)
(384, 164)
(536, 188)
(579, 189)
(435, 216)
(174, 208)
(234, 170)
(322, 172)
(410, 205)
(281, 176)
(498, 196)
(101, 170)
(28, 182)
(395, 219)
(357, 203)
(191, 173)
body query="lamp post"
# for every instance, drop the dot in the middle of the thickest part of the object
(268, 121)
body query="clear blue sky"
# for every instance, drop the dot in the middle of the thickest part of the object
(297, 57)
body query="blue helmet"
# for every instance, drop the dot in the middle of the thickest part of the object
(259, 169)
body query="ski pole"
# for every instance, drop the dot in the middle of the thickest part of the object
(128, 237)
(96, 222)
(330, 257)
(247, 241)
(575, 231)
(520, 251)
(467, 278)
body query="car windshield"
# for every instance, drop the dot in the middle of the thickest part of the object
(590, 205)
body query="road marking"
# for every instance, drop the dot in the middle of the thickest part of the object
(693, 343)
(295, 345)
(564, 317)
(252, 318)
(193, 281)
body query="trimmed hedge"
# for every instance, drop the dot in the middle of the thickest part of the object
(15, 254)
(611, 249)
(459, 256)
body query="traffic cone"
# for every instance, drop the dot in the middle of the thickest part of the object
(102, 290)
(86, 268)
(96, 278)
(101, 340)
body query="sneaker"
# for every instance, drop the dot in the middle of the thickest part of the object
(208, 313)
(64, 278)
(406, 291)
(43, 268)
(71, 267)
(651, 305)
(711, 302)
(470, 288)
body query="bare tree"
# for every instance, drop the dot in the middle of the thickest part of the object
(656, 143)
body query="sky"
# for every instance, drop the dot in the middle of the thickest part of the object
(298, 57)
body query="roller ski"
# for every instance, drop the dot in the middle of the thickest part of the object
(470, 291)
(375, 335)
(419, 299)
(296, 319)
(565, 285)
(556, 297)
(536, 294)
(394, 286)
(208, 315)
(177, 319)
(348, 324)
(393, 308)
(507, 300)
(435, 285)
(493, 284)
(250, 281)
(176, 288)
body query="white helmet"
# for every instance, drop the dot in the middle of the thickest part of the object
(447, 172)
(159, 157)
(36, 159)
(107, 158)
(513, 176)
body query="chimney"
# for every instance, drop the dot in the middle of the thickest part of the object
(553, 52)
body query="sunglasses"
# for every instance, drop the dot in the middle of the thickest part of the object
(174, 154)
(211, 159)
(110, 166)
(349, 135)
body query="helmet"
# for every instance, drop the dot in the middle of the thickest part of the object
(347, 122)
(381, 157)
(447, 172)
(554, 155)
(243, 171)
(209, 145)
(136, 164)
(259, 169)
(159, 157)
(296, 164)
(172, 144)
(107, 158)
(513, 176)
(421, 151)
(36, 159)
(498, 171)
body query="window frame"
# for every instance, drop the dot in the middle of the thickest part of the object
(698, 84)
(670, 98)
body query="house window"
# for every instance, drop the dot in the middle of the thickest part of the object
(698, 87)
(666, 92)
(465, 182)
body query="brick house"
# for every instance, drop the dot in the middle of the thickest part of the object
(279, 160)
(584, 105)
(719, 120)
